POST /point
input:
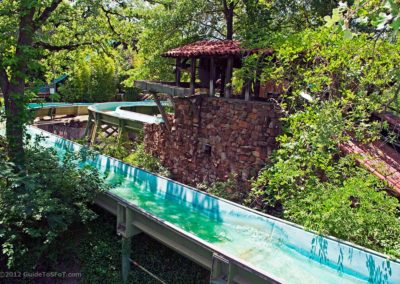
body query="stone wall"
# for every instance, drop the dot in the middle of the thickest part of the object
(213, 137)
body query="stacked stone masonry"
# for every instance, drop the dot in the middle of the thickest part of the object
(211, 138)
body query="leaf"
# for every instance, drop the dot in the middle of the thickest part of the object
(347, 35)
(336, 15)
(396, 24)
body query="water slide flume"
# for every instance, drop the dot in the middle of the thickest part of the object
(55, 109)
(126, 116)
(237, 244)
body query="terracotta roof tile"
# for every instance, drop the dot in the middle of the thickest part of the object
(211, 48)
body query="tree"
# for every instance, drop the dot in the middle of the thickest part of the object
(29, 28)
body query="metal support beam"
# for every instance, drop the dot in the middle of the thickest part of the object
(125, 258)
(122, 132)
(95, 129)
(127, 231)
(89, 124)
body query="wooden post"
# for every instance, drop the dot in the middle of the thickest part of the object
(257, 87)
(223, 72)
(162, 111)
(247, 91)
(192, 76)
(228, 80)
(212, 77)
(257, 83)
(178, 72)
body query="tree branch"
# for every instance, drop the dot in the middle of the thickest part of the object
(46, 13)
(107, 14)
(51, 47)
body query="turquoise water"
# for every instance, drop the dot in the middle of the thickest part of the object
(48, 105)
(281, 249)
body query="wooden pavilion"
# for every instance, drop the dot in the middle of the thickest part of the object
(210, 64)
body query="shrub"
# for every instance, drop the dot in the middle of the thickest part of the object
(355, 211)
(132, 94)
(38, 207)
(230, 189)
(111, 147)
(310, 183)
(142, 159)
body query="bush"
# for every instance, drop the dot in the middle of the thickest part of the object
(142, 159)
(355, 211)
(230, 189)
(132, 94)
(92, 79)
(36, 209)
(311, 183)
(111, 147)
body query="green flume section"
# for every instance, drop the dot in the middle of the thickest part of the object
(280, 249)
(116, 109)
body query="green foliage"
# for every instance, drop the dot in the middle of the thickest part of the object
(132, 94)
(111, 147)
(92, 79)
(131, 152)
(354, 211)
(98, 252)
(311, 183)
(336, 77)
(230, 189)
(142, 159)
(36, 209)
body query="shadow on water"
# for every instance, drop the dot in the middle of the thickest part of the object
(378, 274)
(190, 210)
(64, 144)
(377, 270)
(319, 249)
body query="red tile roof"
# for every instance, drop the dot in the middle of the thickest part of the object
(211, 48)
(379, 158)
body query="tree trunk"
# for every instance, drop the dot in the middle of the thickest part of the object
(229, 23)
(15, 125)
(15, 94)
(229, 14)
